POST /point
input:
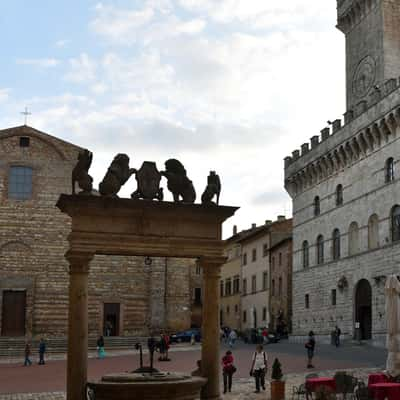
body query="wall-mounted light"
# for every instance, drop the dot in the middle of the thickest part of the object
(379, 279)
(148, 261)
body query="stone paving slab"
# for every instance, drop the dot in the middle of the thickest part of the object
(243, 389)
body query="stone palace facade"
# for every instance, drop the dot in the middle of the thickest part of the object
(346, 188)
(128, 296)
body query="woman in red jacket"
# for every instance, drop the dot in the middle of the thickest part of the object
(228, 370)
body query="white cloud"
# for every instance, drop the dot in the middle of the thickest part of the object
(62, 43)
(4, 95)
(83, 69)
(39, 62)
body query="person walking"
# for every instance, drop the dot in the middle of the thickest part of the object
(232, 338)
(259, 367)
(228, 369)
(100, 348)
(310, 346)
(42, 350)
(338, 332)
(27, 354)
(264, 334)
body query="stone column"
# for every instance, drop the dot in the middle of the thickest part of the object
(210, 357)
(77, 325)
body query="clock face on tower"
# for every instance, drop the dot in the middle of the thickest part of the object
(364, 77)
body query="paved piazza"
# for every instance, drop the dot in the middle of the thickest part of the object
(24, 383)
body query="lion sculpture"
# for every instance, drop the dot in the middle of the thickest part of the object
(213, 189)
(80, 173)
(117, 175)
(178, 182)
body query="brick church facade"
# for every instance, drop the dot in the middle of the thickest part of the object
(128, 296)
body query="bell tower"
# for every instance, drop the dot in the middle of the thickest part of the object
(372, 30)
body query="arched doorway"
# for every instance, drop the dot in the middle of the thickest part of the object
(363, 309)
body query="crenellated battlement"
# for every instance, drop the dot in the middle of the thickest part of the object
(351, 12)
(345, 140)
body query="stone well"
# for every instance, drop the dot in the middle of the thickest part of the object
(144, 386)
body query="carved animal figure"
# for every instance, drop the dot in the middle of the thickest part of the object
(80, 172)
(213, 188)
(178, 182)
(117, 175)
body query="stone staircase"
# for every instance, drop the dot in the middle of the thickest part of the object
(15, 346)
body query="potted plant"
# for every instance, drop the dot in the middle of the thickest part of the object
(277, 384)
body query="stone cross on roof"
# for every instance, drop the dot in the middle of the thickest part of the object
(26, 113)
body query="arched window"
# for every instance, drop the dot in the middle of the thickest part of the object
(353, 239)
(373, 232)
(317, 206)
(320, 249)
(336, 244)
(20, 183)
(389, 170)
(305, 253)
(395, 223)
(339, 195)
(280, 287)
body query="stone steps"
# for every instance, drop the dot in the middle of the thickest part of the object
(15, 347)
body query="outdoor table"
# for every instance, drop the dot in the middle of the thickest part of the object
(312, 384)
(385, 390)
(377, 378)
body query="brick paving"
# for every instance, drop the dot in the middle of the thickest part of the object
(243, 388)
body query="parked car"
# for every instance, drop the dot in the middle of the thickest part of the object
(185, 336)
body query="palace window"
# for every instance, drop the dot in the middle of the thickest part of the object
(254, 255)
(280, 258)
(228, 287)
(197, 296)
(244, 316)
(320, 249)
(265, 280)
(265, 250)
(254, 284)
(353, 239)
(333, 297)
(24, 141)
(221, 288)
(280, 287)
(307, 301)
(339, 195)
(236, 284)
(20, 183)
(273, 287)
(389, 170)
(395, 223)
(244, 258)
(373, 232)
(227, 310)
(264, 314)
(305, 254)
(317, 206)
(336, 244)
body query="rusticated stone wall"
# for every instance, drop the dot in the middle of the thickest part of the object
(33, 241)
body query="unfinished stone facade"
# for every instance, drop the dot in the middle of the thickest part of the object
(138, 296)
(345, 189)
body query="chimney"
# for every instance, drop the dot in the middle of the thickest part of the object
(253, 226)
(281, 218)
(268, 222)
(235, 229)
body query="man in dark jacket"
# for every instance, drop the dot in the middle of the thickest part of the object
(42, 350)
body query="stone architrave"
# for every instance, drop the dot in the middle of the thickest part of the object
(109, 225)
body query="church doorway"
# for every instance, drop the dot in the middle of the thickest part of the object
(111, 319)
(363, 309)
(13, 313)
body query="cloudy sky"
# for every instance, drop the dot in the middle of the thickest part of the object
(228, 85)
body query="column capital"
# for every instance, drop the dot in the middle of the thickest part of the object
(78, 262)
(212, 262)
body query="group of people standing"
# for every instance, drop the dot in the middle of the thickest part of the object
(229, 336)
(258, 369)
(42, 350)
